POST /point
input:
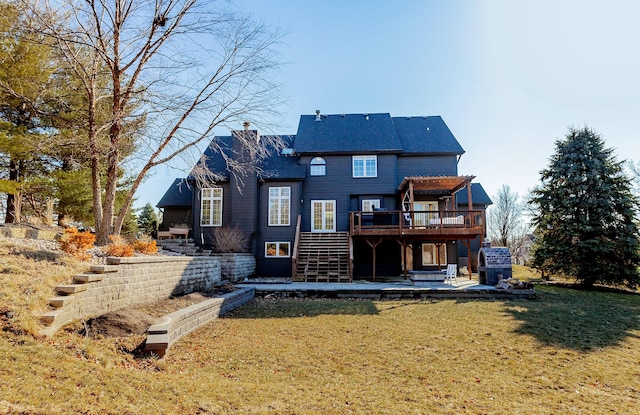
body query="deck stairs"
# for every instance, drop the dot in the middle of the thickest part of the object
(323, 257)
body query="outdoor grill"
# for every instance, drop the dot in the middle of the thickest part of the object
(494, 264)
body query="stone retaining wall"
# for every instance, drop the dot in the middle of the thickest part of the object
(30, 233)
(168, 329)
(236, 267)
(129, 282)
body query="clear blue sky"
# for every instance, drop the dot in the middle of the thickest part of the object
(508, 77)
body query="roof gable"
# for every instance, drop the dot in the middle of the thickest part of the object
(426, 135)
(274, 166)
(347, 134)
(178, 194)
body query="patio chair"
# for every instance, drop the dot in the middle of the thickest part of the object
(452, 274)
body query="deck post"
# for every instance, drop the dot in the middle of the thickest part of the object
(373, 246)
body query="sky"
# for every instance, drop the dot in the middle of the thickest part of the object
(508, 77)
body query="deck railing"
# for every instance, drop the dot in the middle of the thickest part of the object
(382, 222)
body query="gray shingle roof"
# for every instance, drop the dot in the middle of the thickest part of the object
(426, 135)
(348, 133)
(478, 195)
(274, 167)
(179, 193)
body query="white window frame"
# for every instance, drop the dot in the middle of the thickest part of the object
(317, 167)
(368, 165)
(280, 213)
(368, 205)
(211, 216)
(277, 244)
(327, 216)
(430, 250)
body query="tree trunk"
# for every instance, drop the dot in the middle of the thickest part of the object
(14, 200)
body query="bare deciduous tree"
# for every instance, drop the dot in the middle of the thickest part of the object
(176, 69)
(506, 224)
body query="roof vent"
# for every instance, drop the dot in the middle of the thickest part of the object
(246, 125)
(318, 115)
(366, 117)
(342, 115)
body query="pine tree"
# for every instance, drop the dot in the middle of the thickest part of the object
(148, 220)
(585, 214)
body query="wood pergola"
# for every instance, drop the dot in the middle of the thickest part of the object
(447, 229)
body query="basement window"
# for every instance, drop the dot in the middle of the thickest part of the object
(277, 249)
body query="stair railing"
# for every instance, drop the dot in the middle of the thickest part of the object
(296, 243)
(350, 263)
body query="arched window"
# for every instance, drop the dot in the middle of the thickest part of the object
(318, 167)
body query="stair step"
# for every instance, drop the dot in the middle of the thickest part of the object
(70, 288)
(49, 318)
(59, 302)
(87, 278)
(103, 269)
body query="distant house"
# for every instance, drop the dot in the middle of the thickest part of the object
(351, 196)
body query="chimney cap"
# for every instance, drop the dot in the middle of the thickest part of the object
(246, 125)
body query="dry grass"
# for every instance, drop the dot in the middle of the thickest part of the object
(569, 352)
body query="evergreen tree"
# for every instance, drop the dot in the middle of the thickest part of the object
(585, 213)
(148, 220)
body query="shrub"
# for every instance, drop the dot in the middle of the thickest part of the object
(77, 243)
(228, 239)
(119, 247)
(145, 246)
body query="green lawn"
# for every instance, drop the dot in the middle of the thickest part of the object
(567, 352)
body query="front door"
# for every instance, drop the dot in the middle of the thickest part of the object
(323, 216)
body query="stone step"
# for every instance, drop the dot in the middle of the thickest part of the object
(67, 289)
(103, 269)
(49, 318)
(86, 278)
(58, 302)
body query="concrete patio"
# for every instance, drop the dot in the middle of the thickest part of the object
(461, 288)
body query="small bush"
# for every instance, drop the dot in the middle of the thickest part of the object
(228, 239)
(119, 247)
(77, 243)
(145, 246)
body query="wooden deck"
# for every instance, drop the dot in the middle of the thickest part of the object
(442, 225)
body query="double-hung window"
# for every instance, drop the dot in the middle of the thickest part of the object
(211, 207)
(365, 166)
(279, 206)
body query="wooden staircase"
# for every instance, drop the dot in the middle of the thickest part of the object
(323, 257)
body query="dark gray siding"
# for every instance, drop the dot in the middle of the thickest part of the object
(275, 267)
(339, 185)
(426, 166)
(243, 208)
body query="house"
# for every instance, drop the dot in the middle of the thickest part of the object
(350, 196)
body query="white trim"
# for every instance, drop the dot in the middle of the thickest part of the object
(366, 167)
(276, 249)
(369, 204)
(317, 167)
(282, 200)
(213, 197)
(327, 215)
